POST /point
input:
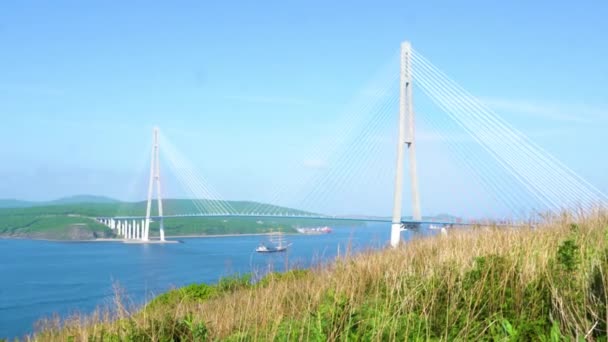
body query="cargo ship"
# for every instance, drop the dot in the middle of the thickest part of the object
(314, 230)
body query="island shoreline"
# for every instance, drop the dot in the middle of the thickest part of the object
(153, 239)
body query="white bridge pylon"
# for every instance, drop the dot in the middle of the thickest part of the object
(405, 138)
(135, 229)
(154, 178)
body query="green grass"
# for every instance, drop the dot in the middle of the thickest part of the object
(59, 227)
(486, 284)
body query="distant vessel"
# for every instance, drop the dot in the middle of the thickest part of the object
(276, 243)
(314, 230)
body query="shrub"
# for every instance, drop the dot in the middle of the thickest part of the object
(568, 256)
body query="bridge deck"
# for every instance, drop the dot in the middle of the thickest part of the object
(308, 217)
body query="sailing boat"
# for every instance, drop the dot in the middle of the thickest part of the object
(276, 244)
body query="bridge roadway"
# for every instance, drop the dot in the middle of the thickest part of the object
(310, 217)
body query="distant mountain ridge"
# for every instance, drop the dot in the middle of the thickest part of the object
(15, 203)
(84, 199)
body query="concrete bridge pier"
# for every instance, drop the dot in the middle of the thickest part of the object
(143, 231)
(137, 230)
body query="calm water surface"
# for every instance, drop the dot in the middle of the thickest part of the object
(39, 278)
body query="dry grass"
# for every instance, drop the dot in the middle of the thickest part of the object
(484, 283)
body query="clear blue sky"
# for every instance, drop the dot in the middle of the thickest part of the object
(243, 88)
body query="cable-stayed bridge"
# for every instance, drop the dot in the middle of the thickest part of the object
(514, 172)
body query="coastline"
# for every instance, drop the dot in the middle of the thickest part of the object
(58, 240)
(4, 237)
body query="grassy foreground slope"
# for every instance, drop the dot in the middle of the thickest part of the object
(544, 284)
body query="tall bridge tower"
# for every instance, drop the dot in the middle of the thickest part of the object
(406, 138)
(154, 178)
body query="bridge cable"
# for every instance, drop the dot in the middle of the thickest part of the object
(573, 181)
(504, 152)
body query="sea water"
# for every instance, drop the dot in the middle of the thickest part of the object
(42, 278)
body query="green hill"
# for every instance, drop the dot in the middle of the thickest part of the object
(70, 219)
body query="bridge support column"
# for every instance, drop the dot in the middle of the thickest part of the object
(162, 230)
(145, 236)
(155, 178)
(406, 137)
